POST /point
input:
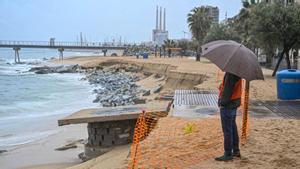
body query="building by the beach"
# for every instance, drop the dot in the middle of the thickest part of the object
(214, 13)
(160, 34)
(285, 2)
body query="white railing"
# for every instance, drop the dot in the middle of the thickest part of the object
(55, 44)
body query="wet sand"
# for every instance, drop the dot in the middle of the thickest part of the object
(39, 153)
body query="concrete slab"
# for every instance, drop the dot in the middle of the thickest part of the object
(195, 111)
(261, 112)
(195, 98)
(111, 113)
(195, 104)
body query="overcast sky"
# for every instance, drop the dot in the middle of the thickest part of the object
(99, 20)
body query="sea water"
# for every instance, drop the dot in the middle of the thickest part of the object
(31, 104)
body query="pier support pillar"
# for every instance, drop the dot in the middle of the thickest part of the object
(104, 51)
(17, 55)
(61, 53)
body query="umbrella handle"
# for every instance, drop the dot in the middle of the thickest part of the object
(245, 113)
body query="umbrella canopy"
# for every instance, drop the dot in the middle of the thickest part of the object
(234, 58)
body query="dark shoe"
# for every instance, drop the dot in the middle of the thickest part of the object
(224, 158)
(236, 154)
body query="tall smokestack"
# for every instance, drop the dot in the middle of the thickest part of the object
(164, 19)
(156, 17)
(160, 17)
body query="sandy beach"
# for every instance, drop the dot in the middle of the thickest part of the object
(42, 153)
(272, 142)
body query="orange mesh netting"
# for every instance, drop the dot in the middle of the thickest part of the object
(175, 143)
(244, 108)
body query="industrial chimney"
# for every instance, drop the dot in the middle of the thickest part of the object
(156, 17)
(164, 28)
(160, 19)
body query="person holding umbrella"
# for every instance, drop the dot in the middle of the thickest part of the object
(238, 62)
(229, 100)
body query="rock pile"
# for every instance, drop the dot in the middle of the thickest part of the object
(115, 88)
(55, 69)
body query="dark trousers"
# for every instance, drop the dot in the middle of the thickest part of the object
(230, 133)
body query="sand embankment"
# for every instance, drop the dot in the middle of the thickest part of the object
(181, 73)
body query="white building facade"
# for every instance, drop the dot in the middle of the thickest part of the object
(160, 34)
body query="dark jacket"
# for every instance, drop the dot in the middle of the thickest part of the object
(225, 99)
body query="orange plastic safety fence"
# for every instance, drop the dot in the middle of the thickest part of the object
(245, 116)
(174, 143)
(144, 126)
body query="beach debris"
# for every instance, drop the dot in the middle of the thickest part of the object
(70, 145)
(165, 97)
(147, 74)
(139, 101)
(66, 147)
(83, 157)
(147, 93)
(157, 76)
(157, 89)
(91, 152)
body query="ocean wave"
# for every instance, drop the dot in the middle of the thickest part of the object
(28, 110)
(30, 101)
(25, 138)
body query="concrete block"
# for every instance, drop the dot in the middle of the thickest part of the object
(128, 129)
(122, 141)
(117, 131)
(94, 151)
(125, 135)
(109, 140)
(101, 131)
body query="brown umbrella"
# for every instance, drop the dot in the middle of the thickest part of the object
(237, 59)
(233, 57)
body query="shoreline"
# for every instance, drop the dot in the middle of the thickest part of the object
(30, 154)
(41, 131)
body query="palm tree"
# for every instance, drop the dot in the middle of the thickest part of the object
(199, 24)
(168, 44)
(243, 23)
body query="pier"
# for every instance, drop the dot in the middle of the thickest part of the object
(60, 46)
